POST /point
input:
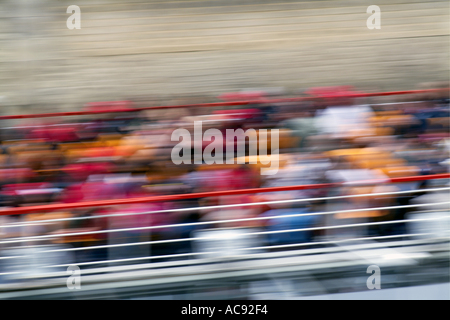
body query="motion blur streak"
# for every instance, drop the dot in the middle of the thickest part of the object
(354, 118)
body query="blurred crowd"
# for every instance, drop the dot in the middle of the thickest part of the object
(126, 155)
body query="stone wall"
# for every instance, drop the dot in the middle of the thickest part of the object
(163, 49)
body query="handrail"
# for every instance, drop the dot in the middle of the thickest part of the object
(102, 203)
(220, 104)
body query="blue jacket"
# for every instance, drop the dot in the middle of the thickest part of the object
(278, 224)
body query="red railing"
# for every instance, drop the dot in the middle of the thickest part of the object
(219, 104)
(101, 203)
